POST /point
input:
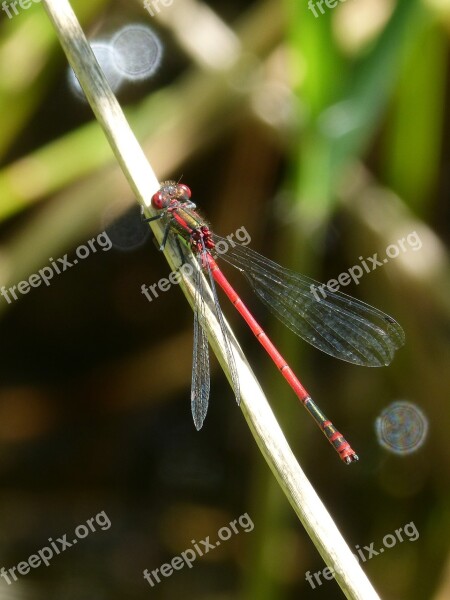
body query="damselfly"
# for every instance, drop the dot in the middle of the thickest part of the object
(337, 324)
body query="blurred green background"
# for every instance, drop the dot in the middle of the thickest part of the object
(325, 132)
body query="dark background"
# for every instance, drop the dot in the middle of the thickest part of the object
(328, 140)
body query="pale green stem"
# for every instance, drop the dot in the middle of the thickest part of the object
(259, 416)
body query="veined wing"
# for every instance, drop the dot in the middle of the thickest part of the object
(200, 384)
(226, 339)
(337, 324)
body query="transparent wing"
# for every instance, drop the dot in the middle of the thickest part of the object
(227, 343)
(200, 384)
(333, 322)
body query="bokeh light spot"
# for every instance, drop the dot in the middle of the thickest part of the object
(105, 57)
(127, 231)
(137, 52)
(401, 428)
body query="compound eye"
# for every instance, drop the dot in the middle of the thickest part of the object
(159, 201)
(185, 190)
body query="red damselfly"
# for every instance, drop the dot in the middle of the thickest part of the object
(338, 324)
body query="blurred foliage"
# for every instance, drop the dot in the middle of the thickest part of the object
(327, 137)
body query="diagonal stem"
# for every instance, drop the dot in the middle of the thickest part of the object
(260, 418)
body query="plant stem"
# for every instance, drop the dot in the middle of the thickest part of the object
(260, 418)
